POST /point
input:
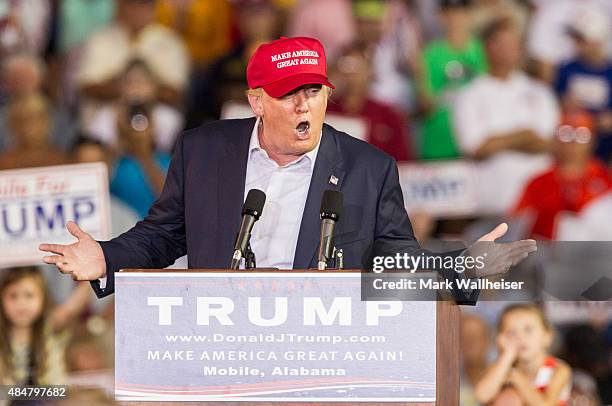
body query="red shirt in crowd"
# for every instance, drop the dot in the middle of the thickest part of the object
(387, 130)
(549, 194)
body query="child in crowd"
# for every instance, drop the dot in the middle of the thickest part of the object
(524, 373)
(32, 344)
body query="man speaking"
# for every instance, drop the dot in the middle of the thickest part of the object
(287, 152)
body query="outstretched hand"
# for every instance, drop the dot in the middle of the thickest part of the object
(498, 258)
(83, 260)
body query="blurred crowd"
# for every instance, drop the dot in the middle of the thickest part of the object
(522, 89)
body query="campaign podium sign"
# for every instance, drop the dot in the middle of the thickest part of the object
(299, 337)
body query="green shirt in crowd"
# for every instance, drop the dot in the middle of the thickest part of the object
(446, 70)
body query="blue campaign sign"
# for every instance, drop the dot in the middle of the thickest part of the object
(269, 336)
(36, 203)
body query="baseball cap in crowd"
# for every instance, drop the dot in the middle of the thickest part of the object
(590, 23)
(373, 10)
(287, 63)
(454, 3)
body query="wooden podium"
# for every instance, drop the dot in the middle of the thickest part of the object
(152, 303)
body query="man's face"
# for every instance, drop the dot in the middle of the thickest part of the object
(504, 48)
(352, 72)
(136, 14)
(573, 144)
(137, 86)
(292, 124)
(30, 123)
(21, 76)
(454, 18)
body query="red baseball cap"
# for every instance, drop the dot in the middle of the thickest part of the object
(287, 63)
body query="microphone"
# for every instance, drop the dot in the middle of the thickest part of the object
(331, 210)
(251, 210)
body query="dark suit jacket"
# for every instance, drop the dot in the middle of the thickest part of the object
(198, 212)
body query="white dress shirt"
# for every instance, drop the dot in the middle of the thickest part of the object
(275, 235)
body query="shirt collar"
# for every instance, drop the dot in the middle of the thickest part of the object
(255, 146)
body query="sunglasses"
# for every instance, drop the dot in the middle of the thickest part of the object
(580, 135)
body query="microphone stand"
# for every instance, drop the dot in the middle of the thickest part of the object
(249, 258)
(335, 262)
(338, 258)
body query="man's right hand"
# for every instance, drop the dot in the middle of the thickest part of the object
(83, 260)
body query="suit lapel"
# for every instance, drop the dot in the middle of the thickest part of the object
(328, 164)
(231, 177)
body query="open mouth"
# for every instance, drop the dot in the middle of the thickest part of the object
(303, 129)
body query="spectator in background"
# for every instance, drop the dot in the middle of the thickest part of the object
(29, 121)
(392, 31)
(448, 64)
(32, 347)
(138, 91)
(576, 178)
(24, 26)
(206, 29)
(548, 43)
(475, 343)
(133, 35)
(139, 175)
(591, 224)
(525, 373)
(204, 25)
(77, 20)
(330, 21)
(386, 128)
(484, 12)
(258, 21)
(586, 81)
(505, 120)
(23, 75)
(33, 331)
(86, 150)
(586, 352)
(86, 352)
(73, 300)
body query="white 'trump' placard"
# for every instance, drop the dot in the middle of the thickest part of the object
(36, 203)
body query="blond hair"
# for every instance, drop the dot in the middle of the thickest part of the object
(258, 91)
